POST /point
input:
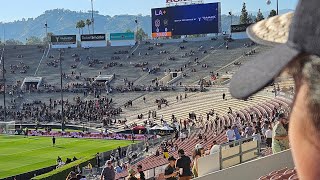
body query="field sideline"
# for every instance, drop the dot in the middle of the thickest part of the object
(19, 154)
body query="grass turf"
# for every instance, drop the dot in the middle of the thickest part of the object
(19, 155)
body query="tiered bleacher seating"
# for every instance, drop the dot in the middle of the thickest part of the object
(187, 145)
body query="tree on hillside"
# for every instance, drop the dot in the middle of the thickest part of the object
(129, 31)
(244, 15)
(11, 42)
(88, 23)
(80, 25)
(141, 34)
(47, 39)
(259, 16)
(33, 40)
(272, 13)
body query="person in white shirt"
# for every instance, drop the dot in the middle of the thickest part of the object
(215, 148)
(268, 135)
(231, 136)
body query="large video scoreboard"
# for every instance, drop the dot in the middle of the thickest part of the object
(186, 20)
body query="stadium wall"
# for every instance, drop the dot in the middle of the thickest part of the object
(62, 172)
(240, 35)
(254, 169)
(123, 43)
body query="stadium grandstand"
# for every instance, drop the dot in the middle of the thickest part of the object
(170, 106)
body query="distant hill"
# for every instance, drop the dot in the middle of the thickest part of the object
(62, 21)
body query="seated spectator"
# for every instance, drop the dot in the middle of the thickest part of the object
(74, 158)
(215, 148)
(132, 174)
(72, 176)
(59, 160)
(118, 169)
(68, 161)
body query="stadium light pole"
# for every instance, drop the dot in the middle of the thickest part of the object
(230, 13)
(61, 89)
(4, 85)
(269, 2)
(46, 27)
(92, 19)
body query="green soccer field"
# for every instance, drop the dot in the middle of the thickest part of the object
(19, 154)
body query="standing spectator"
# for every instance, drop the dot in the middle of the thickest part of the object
(98, 159)
(268, 135)
(147, 146)
(236, 132)
(108, 172)
(119, 152)
(196, 155)
(144, 99)
(223, 96)
(280, 141)
(183, 164)
(142, 175)
(53, 141)
(231, 136)
(170, 171)
(166, 152)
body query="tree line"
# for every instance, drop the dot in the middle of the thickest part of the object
(246, 18)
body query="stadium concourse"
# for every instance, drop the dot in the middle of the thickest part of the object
(199, 102)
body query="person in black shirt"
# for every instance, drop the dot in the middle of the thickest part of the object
(142, 176)
(53, 141)
(170, 171)
(183, 165)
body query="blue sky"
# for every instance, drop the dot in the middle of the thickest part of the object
(17, 9)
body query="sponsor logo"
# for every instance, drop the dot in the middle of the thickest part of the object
(160, 12)
(63, 39)
(93, 37)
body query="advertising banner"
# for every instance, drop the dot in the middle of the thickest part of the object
(93, 37)
(239, 28)
(63, 39)
(121, 36)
